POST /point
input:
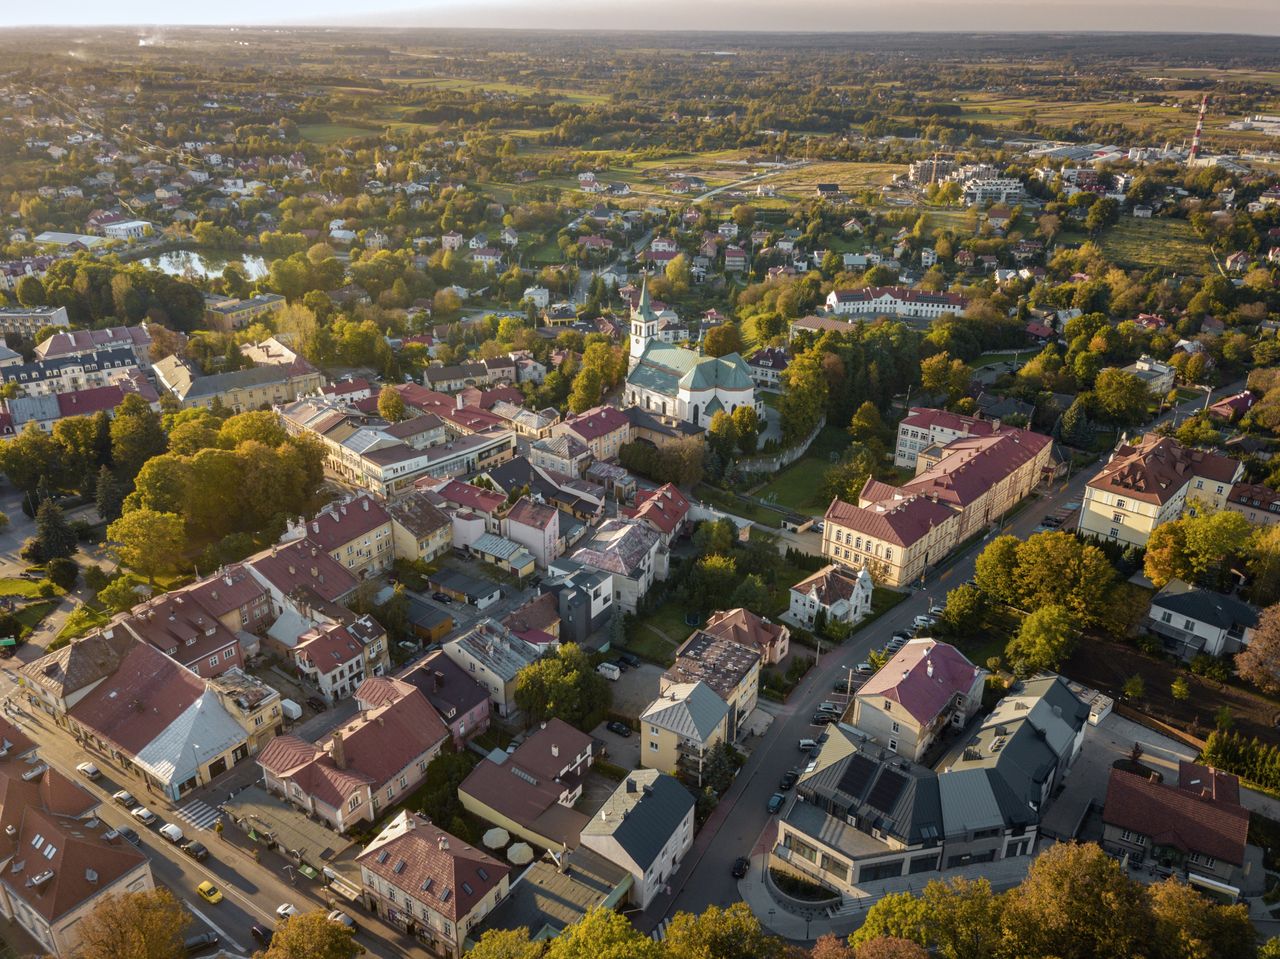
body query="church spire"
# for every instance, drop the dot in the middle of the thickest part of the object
(643, 309)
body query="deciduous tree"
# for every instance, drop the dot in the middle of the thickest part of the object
(722, 340)
(890, 947)
(563, 686)
(506, 944)
(1259, 662)
(390, 404)
(136, 925)
(1189, 926)
(148, 542)
(996, 568)
(1044, 640)
(312, 935)
(732, 933)
(603, 934)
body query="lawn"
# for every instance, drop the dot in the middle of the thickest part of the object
(989, 640)
(25, 588)
(667, 619)
(29, 616)
(738, 507)
(990, 359)
(797, 488)
(851, 177)
(1160, 242)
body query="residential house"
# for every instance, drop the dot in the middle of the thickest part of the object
(531, 792)
(602, 430)
(562, 454)
(72, 373)
(80, 342)
(680, 728)
(337, 657)
(731, 669)
(926, 688)
(1151, 482)
(767, 366)
(356, 531)
(371, 761)
(429, 883)
(632, 552)
(1156, 376)
(1195, 829)
(228, 314)
(584, 598)
(58, 860)
(1259, 504)
(419, 529)
(1192, 620)
(839, 596)
(180, 627)
(537, 622)
(493, 656)
(462, 702)
(646, 827)
(536, 526)
(771, 640)
(251, 703)
(665, 509)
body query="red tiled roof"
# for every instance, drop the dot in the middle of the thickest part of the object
(745, 628)
(1208, 782)
(327, 647)
(230, 589)
(303, 564)
(534, 515)
(540, 614)
(1156, 468)
(458, 493)
(343, 387)
(1175, 817)
(926, 418)
(923, 677)
(1253, 494)
(829, 585)
(597, 422)
(901, 522)
(140, 700)
(340, 523)
(972, 465)
(664, 508)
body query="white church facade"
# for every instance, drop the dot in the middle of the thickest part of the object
(679, 383)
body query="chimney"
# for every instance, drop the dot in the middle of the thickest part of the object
(458, 401)
(365, 503)
(314, 572)
(555, 750)
(928, 667)
(338, 751)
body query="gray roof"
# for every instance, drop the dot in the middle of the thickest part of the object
(1205, 605)
(643, 813)
(692, 710)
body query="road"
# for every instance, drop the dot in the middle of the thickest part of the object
(705, 878)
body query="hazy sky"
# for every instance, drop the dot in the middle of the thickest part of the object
(1232, 16)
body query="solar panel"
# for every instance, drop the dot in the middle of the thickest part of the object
(856, 775)
(886, 790)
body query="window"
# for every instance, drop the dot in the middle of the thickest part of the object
(257, 720)
(1128, 836)
(653, 745)
(213, 660)
(895, 728)
(404, 782)
(1119, 504)
(893, 745)
(1189, 625)
(354, 802)
(1114, 532)
(1199, 484)
(1117, 517)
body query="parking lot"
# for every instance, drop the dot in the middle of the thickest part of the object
(623, 751)
(635, 689)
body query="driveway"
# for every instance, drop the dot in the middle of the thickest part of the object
(622, 752)
(635, 689)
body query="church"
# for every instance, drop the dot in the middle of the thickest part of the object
(680, 383)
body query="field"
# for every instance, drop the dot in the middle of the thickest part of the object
(327, 133)
(1147, 244)
(797, 487)
(802, 183)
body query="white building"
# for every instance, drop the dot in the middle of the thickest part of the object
(894, 301)
(835, 592)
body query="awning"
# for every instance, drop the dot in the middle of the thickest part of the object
(496, 838)
(308, 871)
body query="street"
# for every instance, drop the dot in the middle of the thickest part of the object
(705, 878)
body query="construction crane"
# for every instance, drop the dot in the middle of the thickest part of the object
(1195, 140)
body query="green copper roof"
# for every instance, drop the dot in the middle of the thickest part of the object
(728, 372)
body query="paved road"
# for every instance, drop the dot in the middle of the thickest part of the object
(706, 879)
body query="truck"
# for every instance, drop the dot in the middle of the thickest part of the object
(291, 710)
(609, 671)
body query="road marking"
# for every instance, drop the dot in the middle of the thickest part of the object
(209, 922)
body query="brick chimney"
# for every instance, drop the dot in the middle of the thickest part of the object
(338, 751)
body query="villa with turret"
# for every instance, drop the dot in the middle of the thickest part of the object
(679, 383)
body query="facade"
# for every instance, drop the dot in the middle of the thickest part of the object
(1191, 620)
(228, 314)
(492, 655)
(181, 627)
(631, 552)
(926, 688)
(79, 342)
(1156, 376)
(430, 883)
(1196, 829)
(72, 373)
(731, 670)
(531, 792)
(900, 532)
(355, 531)
(535, 526)
(894, 301)
(683, 384)
(767, 366)
(584, 598)
(461, 701)
(924, 427)
(259, 387)
(679, 729)
(337, 657)
(835, 594)
(1258, 504)
(646, 827)
(665, 509)
(27, 321)
(602, 430)
(419, 529)
(1151, 482)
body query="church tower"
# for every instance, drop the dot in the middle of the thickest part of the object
(644, 326)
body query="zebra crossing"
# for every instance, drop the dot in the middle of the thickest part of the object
(199, 814)
(660, 931)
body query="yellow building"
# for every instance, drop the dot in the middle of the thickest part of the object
(679, 729)
(730, 669)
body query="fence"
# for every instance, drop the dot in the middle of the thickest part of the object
(776, 461)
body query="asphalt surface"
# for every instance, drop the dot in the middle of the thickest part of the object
(705, 878)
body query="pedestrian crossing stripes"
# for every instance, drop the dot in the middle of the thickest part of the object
(199, 814)
(660, 931)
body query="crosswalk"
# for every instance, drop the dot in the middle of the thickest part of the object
(199, 814)
(660, 931)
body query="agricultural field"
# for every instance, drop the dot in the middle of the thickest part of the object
(1165, 243)
(802, 183)
(328, 133)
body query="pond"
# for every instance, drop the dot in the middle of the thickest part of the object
(193, 263)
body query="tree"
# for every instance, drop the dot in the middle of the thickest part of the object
(722, 434)
(1197, 548)
(899, 915)
(56, 537)
(867, 424)
(964, 918)
(136, 436)
(963, 613)
(1189, 926)
(506, 944)
(722, 340)
(1166, 556)
(31, 455)
(109, 495)
(136, 925)
(1075, 429)
(744, 215)
(732, 933)
(1044, 640)
(830, 946)
(391, 404)
(603, 934)
(804, 400)
(1263, 563)
(1180, 689)
(995, 569)
(1259, 662)
(1076, 903)
(1120, 397)
(942, 375)
(30, 291)
(712, 579)
(312, 935)
(564, 686)
(1056, 567)
(587, 387)
(62, 572)
(1135, 687)
(746, 423)
(890, 947)
(147, 541)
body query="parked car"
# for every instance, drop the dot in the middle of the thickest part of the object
(286, 911)
(865, 668)
(622, 664)
(936, 610)
(339, 916)
(788, 780)
(808, 744)
(775, 802)
(196, 850)
(89, 771)
(127, 833)
(741, 866)
(201, 942)
(618, 727)
(125, 798)
(442, 598)
(823, 719)
(610, 671)
(923, 622)
(829, 707)
(209, 892)
(143, 815)
(900, 636)
(171, 832)
(630, 659)
(316, 703)
(261, 934)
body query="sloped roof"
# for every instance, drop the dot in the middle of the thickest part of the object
(641, 815)
(691, 710)
(1205, 605)
(1156, 468)
(900, 522)
(922, 677)
(1176, 817)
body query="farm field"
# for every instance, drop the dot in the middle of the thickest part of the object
(327, 133)
(1144, 244)
(851, 177)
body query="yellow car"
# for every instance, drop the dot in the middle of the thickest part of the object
(209, 892)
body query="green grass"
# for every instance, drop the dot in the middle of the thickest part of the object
(26, 588)
(668, 619)
(731, 504)
(82, 620)
(30, 616)
(797, 488)
(1156, 243)
(1002, 358)
(328, 133)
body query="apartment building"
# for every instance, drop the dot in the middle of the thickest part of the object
(679, 729)
(925, 427)
(228, 314)
(27, 321)
(894, 301)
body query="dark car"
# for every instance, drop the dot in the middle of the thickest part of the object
(261, 935)
(823, 719)
(741, 866)
(205, 940)
(196, 850)
(316, 703)
(442, 598)
(776, 801)
(620, 728)
(621, 664)
(128, 834)
(788, 780)
(630, 659)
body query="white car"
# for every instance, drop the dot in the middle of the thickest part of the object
(171, 832)
(339, 916)
(286, 910)
(88, 771)
(923, 622)
(125, 798)
(143, 814)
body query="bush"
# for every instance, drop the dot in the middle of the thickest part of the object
(63, 573)
(1211, 667)
(95, 578)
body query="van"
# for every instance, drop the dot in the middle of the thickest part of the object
(808, 744)
(609, 671)
(171, 832)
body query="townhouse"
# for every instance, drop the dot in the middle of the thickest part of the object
(631, 552)
(731, 670)
(356, 531)
(337, 657)
(603, 430)
(493, 656)
(461, 702)
(419, 529)
(258, 387)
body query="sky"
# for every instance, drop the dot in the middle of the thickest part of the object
(1257, 17)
